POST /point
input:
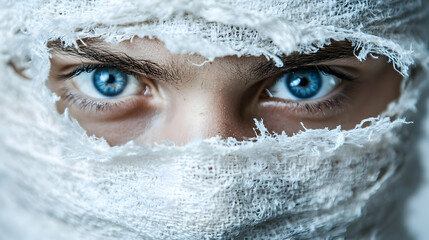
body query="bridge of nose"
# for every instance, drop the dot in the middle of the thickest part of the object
(207, 111)
(212, 100)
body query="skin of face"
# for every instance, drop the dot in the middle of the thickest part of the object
(182, 99)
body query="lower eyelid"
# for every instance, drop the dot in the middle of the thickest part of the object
(108, 106)
(332, 104)
(86, 103)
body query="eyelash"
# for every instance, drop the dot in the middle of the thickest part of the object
(85, 103)
(91, 67)
(337, 101)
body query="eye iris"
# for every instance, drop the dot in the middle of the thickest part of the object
(109, 82)
(304, 84)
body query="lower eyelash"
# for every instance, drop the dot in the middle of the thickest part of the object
(87, 104)
(318, 107)
(335, 103)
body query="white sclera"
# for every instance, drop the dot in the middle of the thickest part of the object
(279, 88)
(84, 83)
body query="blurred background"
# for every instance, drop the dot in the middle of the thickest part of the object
(418, 206)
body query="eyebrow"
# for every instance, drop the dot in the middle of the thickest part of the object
(121, 61)
(336, 50)
(172, 72)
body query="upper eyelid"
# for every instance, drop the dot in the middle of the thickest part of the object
(334, 70)
(269, 70)
(338, 72)
(120, 60)
(91, 67)
(324, 68)
(171, 73)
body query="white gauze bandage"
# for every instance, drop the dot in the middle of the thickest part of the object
(58, 183)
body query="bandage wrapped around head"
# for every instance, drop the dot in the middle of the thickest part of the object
(58, 183)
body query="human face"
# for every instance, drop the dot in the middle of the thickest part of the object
(138, 90)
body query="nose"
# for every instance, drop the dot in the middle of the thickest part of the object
(204, 114)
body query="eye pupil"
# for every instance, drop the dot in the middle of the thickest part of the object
(109, 82)
(304, 83)
(111, 79)
(301, 82)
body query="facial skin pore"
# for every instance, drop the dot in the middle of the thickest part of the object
(176, 99)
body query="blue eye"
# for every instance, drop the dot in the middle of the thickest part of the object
(303, 84)
(106, 82)
(109, 81)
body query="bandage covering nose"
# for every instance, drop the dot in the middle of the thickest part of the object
(58, 183)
